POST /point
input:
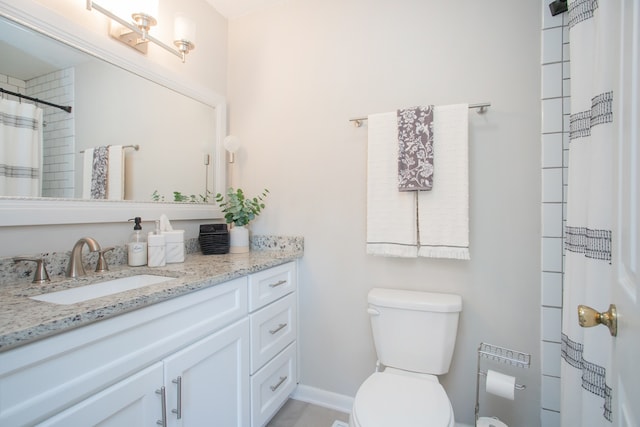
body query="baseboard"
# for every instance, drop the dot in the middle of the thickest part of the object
(324, 398)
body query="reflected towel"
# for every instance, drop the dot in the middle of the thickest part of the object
(443, 212)
(115, 173)
(94, 173)
(103, 173)
(391, 214)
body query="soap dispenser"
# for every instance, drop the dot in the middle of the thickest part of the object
(157, 248)
(137, 246)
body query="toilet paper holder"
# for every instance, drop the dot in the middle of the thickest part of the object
(516, 386)
(503, 355)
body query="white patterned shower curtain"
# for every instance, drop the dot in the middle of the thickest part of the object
(20, 149)
(587, 391)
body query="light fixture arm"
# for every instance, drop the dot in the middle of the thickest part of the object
(144, 34)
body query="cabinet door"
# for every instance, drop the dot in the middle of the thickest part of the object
(131, 402)
(208, 382)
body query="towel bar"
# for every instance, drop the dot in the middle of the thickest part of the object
(482, 108)
(135, 147)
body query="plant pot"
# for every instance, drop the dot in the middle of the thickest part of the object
(238, 239)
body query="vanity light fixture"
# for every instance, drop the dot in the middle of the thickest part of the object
(135, 33)
(231, 144)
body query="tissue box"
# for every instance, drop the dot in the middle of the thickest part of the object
(214, 239)
(174, 251)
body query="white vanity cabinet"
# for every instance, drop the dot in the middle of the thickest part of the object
(273, 318)
(220, 356)
(108, 372)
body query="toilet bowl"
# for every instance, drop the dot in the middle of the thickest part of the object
(400, 399)
(414, 335)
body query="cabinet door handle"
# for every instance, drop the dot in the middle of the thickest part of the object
(280, 327)
(178, 411)
(163, 395)
(275, 386)
(278, 283)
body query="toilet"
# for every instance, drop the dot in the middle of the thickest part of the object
(414, 335)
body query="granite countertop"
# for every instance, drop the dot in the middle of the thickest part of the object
(23, 320)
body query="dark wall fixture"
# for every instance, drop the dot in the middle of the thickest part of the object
(557, 7)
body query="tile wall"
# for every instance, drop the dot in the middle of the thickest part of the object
(555, 146)
(12, 84)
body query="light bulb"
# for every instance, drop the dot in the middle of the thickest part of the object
(148, 7)
(184, 28)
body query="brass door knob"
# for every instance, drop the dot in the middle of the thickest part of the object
(588, 317)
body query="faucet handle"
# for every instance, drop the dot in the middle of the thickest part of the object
(101, 265)
(41, 275)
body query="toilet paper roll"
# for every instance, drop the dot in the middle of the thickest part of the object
(490, 422)
(500, 384)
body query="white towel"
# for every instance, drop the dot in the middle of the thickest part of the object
(87, 173)
(115, 176)
(443, 212)
(391, 214)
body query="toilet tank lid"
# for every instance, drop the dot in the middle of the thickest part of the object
(415, 300)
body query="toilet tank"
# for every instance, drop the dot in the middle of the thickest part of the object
(414, 331)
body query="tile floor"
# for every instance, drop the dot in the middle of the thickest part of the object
(296, 413)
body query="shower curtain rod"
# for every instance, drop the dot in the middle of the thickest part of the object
(36, 100)
(481, 106)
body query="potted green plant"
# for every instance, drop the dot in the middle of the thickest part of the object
(240, 210)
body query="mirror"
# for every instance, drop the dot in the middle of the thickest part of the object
(111, 106)
(178, 147)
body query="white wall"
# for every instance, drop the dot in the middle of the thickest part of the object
(298, 72)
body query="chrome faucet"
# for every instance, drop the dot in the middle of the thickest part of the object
(75, 267)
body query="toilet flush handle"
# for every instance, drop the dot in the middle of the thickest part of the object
(373, 311)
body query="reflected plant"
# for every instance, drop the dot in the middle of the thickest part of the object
(183, 198)
(156, 197)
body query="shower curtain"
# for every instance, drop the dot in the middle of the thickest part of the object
(20, 149)
(586, 391)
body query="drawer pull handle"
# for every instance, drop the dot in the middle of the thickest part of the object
(178, 382)
(278, 283)
(163, 395)
(279, 328)
(275, 387)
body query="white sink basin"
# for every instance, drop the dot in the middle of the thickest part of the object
(102, 289)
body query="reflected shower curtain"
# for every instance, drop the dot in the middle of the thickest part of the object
(587, 392)
(20, 149)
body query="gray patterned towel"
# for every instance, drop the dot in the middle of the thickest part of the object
(415, 148)
(99, 172)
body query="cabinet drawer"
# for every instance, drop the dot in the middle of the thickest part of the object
(269, 285)
(272, 329)
(272, 385)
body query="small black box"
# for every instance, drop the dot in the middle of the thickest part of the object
(214, 239)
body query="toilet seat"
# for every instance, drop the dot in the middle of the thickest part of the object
(389, 399)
